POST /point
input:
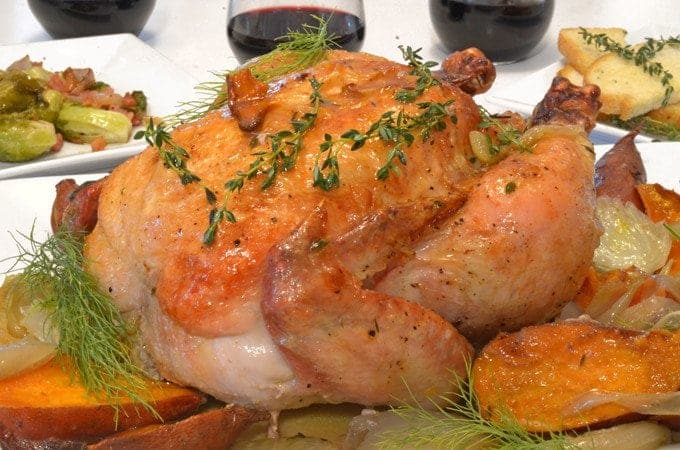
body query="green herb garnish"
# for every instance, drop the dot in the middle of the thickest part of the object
(280, 156)
(173, 156)
(507, 134)
(456, 422)
(396, 128)
(296, 51)
(93, 333)
(647, 125)
(422, 70)
(642, 57)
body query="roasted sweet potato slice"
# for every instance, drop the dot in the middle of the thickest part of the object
(539, 373)
(213, 429)
(663, 204)
(46, 403)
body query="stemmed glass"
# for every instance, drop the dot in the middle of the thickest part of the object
(254, 27)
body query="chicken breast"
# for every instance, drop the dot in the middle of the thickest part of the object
(350, 294)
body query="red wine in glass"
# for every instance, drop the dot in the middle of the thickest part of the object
(255, 32)
(505, 30)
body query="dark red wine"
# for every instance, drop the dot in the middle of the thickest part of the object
(504, 30)
(72, 18)
(258, 31)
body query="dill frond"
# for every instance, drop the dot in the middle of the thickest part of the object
(456, 422)
(296, 51)
(93, 335)
(210, 95)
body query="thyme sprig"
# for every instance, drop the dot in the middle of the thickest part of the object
(396, 128)
(422, 70)
(459, 424)
(642, 56)
(174, 157)
(93, 334)
(278, 153)
(506, 133)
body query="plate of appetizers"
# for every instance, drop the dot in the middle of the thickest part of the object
(119, 66)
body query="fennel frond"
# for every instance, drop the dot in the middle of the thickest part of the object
(456, 422)
(94, 336)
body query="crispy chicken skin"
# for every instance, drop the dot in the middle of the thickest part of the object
(347, 295)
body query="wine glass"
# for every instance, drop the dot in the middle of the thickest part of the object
(505, 30)
(73, 18)
(254, 27)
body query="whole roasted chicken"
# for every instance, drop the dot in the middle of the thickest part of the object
(377, 252)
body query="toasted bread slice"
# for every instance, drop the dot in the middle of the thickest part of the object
(580, 54)
(627, 91)
(570, 73)
(667, 114)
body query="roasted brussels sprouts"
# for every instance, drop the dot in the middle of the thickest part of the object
(81, 124)
(19, 92)
(23, 140)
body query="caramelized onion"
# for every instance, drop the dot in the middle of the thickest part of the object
(24, 354)
(629, 436)
(630, 238)
(571, 132)
(662, 404)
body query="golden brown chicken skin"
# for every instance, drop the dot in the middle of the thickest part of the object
(347, 294)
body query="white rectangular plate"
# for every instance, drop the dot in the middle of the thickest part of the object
(126, 64)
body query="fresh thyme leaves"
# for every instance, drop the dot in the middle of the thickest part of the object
(495, 138)
(419, 68)
(93, 334)
(459, 424)
(506, 133)
(398, 129)
(173, 156)
(648, 126)
(279, 154)
(642, 57)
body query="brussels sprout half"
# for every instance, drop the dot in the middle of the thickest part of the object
(81, 124)
(23, 140)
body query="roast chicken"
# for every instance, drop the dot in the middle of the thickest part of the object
(374, 292)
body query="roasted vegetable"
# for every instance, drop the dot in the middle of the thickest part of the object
(81, 124)
(214, 429)
(48, 403)
(94, 113)
(22, 139)
(543, 374)
(620, 170)
(630, 238)
(19, 92)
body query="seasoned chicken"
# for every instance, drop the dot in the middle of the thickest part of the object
(368, 292)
